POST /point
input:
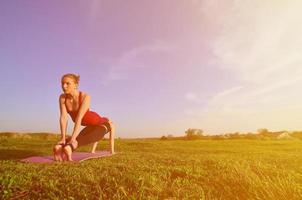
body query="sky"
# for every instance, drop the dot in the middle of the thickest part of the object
(154, 67)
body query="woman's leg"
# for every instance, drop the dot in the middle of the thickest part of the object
(68, 152)
(91, 134)
(88, 135)
(68, 148)
(111, 136)
(94, 147)
(58, 152)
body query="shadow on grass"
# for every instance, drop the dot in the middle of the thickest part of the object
(16, 154)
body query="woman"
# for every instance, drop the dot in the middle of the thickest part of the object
(76, 104)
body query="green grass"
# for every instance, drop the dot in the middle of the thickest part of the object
(155, 169)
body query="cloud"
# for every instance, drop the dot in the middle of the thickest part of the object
(227, 92)
(260, 43)
(129, 61)
(193, 97)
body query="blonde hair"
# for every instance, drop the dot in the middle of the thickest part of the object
(74, 77)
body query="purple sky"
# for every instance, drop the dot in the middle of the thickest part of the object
(152, 67)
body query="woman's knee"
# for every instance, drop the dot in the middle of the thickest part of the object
(107, 126)
(57, 148)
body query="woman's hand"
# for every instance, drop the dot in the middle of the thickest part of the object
(73, 142)
(62, 141)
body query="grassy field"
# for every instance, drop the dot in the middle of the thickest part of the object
(156, 169)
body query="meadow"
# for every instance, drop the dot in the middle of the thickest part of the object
(155, 169)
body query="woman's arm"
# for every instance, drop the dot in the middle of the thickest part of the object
(63, 118)
(83, 109)
(112, 135)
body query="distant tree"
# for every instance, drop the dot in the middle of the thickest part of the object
(163, 138)
(235, 135)
(194, 133)
(170, 136)
(263, 131)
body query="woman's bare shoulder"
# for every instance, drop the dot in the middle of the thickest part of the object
(62, 97)
(84, 94)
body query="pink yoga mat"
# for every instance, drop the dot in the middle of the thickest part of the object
(76, 156)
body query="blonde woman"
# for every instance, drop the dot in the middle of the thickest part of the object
(76, 103)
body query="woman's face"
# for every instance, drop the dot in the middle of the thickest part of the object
(68, 85)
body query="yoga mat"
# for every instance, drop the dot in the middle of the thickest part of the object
(76, 156)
